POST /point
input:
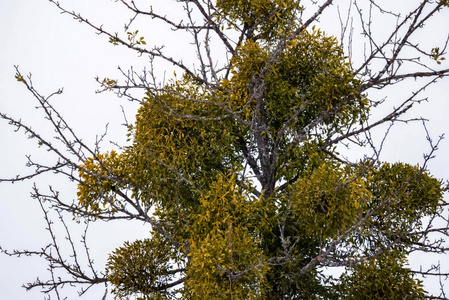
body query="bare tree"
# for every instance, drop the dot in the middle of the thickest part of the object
(382, 42)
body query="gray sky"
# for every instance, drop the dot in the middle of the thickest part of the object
(61, 52)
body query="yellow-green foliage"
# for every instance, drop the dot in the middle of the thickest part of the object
(313, 76)
(224, 243)
(326, 201)
(188, 164)
(402, 195)
(382, 278)
(310, 77)
(143, 267)
(409, 189)
(330, 198)
(100, 177)
(166, 139)
(269, 17)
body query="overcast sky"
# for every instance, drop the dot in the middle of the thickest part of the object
(60, 52)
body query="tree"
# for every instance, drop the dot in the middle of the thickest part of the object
(240, 167)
